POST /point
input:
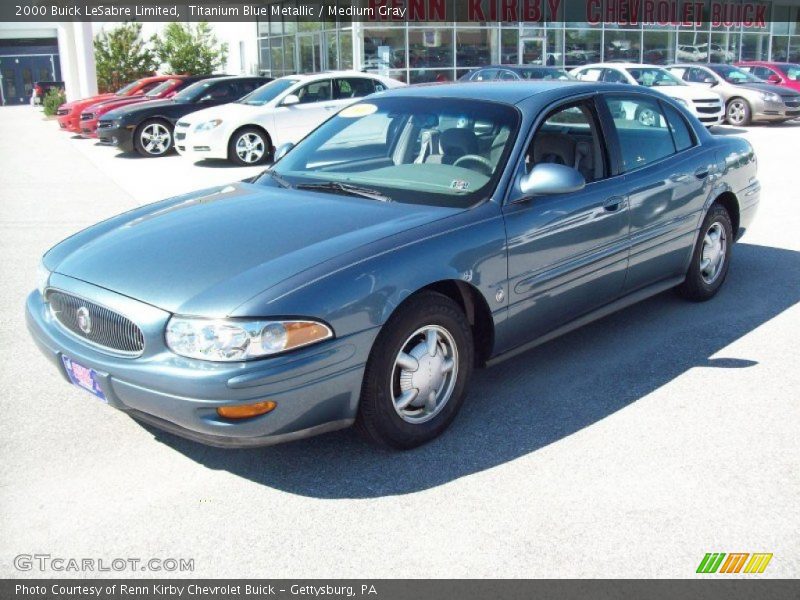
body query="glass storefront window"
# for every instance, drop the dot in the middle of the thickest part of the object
(430, 75)
(780, 47)
(794, 49)
(431, 47)
(623, 46)
(474, 47)
(659, 47)
(692, 47)
(582, 46)
(755, 46)
(555, 47)
(346, 49)
(384, 49)
(509, 46)
(724, 47)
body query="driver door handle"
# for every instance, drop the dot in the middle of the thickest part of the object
(614, 203)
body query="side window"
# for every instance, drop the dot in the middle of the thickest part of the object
(354, 87)
(590, 74)
(319, 91)
(223, 91)
(696, 75)
(247, 86)
(680, 73)
(146, 88)
(570, 135)
(644, 134)
(485, 75)
(507, 76)
(613, 76)
(681, 134)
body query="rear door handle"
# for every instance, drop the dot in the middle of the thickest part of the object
(702, 172)
(614, 203)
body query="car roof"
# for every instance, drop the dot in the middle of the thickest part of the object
(519, 67)
(620, 65)
(508, 92)
(328, 74)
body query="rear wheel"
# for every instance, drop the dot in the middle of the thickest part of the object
(417, 373)
(738, 112)
(153, 138)
(249, 146)
(711, 257)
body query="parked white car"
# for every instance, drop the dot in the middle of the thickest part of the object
(284, 110)
(706, 105)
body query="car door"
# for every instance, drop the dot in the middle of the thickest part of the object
(667, 173)
(567, 253)
(314, 106)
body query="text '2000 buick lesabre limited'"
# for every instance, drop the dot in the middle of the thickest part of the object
(415, 235)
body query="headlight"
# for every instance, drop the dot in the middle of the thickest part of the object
(42, 278)
(208, 125)
(770, 97)
(236, 340)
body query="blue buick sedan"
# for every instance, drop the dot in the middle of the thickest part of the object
(416, 235)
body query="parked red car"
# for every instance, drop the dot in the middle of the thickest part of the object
(69, 113)
(780, 73)
(166, 89)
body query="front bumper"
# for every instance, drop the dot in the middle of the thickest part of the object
(774, 111)
(89, 128)
(198, 146)
(316, 389)
(121, 135)
(69, 122)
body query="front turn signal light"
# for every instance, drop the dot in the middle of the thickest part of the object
(245, 411)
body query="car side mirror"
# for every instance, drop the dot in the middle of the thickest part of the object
(282, 150)
(710, 81)
(290, 99)
(547, 179)
(774, 78)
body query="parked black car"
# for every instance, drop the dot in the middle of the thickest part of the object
(148, 127)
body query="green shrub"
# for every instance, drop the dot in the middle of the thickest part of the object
(52, 100)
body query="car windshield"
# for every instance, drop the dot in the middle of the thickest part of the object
(791, 72)
(267, 92)
(194, 91)
(543, 74)
(422, 150)
(161, 88)
(654, 77)
(124, 91)
(734, 74)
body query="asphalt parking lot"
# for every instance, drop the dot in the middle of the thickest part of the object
(629, 448)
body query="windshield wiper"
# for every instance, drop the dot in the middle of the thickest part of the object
(345, 188)
(280, 179)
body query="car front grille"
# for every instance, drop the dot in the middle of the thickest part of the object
(105, 124)
(62, 111)
(96, 324)
(708, 109)
(87, 116)
(791, 101)
(182, 124)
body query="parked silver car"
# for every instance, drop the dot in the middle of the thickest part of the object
(747, 98)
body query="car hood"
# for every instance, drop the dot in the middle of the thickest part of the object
(87, 101)
(766, 87)
(114, 103)
(687, 92)
(146, 105)
(208, 252)
(227, 112)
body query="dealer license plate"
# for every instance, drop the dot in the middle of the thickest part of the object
(83, 377)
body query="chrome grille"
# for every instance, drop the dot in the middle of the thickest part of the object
(107, 329)
(105, 124)
(87, 116)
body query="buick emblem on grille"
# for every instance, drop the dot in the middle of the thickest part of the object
(84, 320)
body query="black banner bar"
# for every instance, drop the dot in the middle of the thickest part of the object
(711, 588)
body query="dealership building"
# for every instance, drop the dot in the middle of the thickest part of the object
(437, 40)
(576, 32)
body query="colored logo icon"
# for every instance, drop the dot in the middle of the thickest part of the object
(716, 562)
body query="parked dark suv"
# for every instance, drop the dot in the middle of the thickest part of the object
(148, 127)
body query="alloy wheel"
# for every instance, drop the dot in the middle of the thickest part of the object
(736, 112)
(250, 148)
(155, 139)
(424, 374)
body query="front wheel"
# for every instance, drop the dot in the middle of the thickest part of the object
(153, 138)
(417, 373)
(711, 257)
(249, 146)
(738, 112)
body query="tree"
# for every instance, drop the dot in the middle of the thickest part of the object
(190, 50)
(122, 56)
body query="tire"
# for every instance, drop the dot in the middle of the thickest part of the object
(154, 138)
(388, 383)
(738, 112)
(249, 146)
(702, 280)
